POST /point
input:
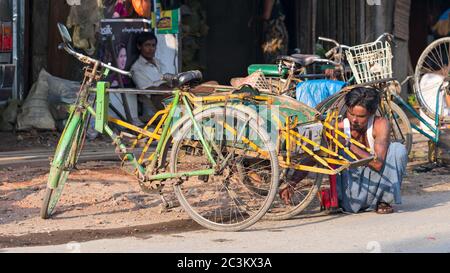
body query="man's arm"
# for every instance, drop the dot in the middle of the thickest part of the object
(381, 131)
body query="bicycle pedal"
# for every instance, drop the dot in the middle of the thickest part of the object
(119, 150)
(204, 178)
(151, 187)
(125, 135)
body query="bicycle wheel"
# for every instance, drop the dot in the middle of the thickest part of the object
(401, 130)
(303, 193)
(66, 156)
(224, 201)
(432, 70)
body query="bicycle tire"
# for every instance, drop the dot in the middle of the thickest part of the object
(219, 207)
(432, 60)
(404, 130)
(299, 201)
(69, 153)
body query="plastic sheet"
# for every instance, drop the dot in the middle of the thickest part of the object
(314, 92)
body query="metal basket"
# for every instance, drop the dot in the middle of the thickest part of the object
(370, 62)
(259, 81)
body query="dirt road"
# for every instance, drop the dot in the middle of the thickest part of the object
(102, 201)
(419, 225)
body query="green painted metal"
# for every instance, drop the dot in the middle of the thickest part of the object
(199, 132)
(163, 176)
(263, 113)
(66, 141)
(129, 156)
(269, 70)
(102, 106)
(167, 125)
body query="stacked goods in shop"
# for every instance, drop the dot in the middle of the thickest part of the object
(6, 39)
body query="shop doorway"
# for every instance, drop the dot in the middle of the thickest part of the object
(232, 43)
(424, 14)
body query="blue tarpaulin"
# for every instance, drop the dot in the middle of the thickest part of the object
(314, 92)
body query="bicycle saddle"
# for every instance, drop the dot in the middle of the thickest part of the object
(183, 78)
(301, 59)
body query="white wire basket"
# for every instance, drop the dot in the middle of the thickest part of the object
(259, 81)
(370, 62)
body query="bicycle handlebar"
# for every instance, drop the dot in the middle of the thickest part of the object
(332, 51)
(327, 61)
(389, 37)
(329, 41)
(88, 60)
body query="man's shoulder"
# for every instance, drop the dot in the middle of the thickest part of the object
(138, 65)
(381, 121)
(381, 124)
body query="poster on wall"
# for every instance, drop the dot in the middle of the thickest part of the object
(126, 19)
(118, 44)
(165, 21)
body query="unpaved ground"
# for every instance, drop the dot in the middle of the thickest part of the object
(34, 139)
(99, 196)
(102, 201)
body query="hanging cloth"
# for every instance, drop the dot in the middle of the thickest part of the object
(142, 7)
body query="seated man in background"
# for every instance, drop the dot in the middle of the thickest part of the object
(148, 72)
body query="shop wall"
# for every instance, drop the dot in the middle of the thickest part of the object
(231, 44)
(39, 37)
(353, 22)
(45, 14)
(5, 10)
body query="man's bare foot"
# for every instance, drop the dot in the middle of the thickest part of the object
(384, 208)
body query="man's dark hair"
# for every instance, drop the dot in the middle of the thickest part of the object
(144, 37)
(368, 98)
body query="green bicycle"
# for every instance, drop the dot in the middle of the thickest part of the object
(206, 138)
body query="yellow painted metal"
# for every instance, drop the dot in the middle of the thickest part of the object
(133, 128)
(150, 141)
(221, 98)
(353, 141)
(246, 140)
(288, 142)
(341, 146)
(314, 169)
(152, 120)
(307, 140)
(336, 161)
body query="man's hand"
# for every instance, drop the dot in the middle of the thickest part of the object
(286, 194)
(169, 79)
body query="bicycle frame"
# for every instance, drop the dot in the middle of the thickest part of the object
(437, 121)
(166, 121)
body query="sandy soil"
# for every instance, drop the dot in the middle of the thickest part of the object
(98, 196)
(102, 201)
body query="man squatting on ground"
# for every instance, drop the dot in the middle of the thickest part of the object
(377, 186)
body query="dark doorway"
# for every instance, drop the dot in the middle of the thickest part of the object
(232, 41)
(60, 63)
(424, 14)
